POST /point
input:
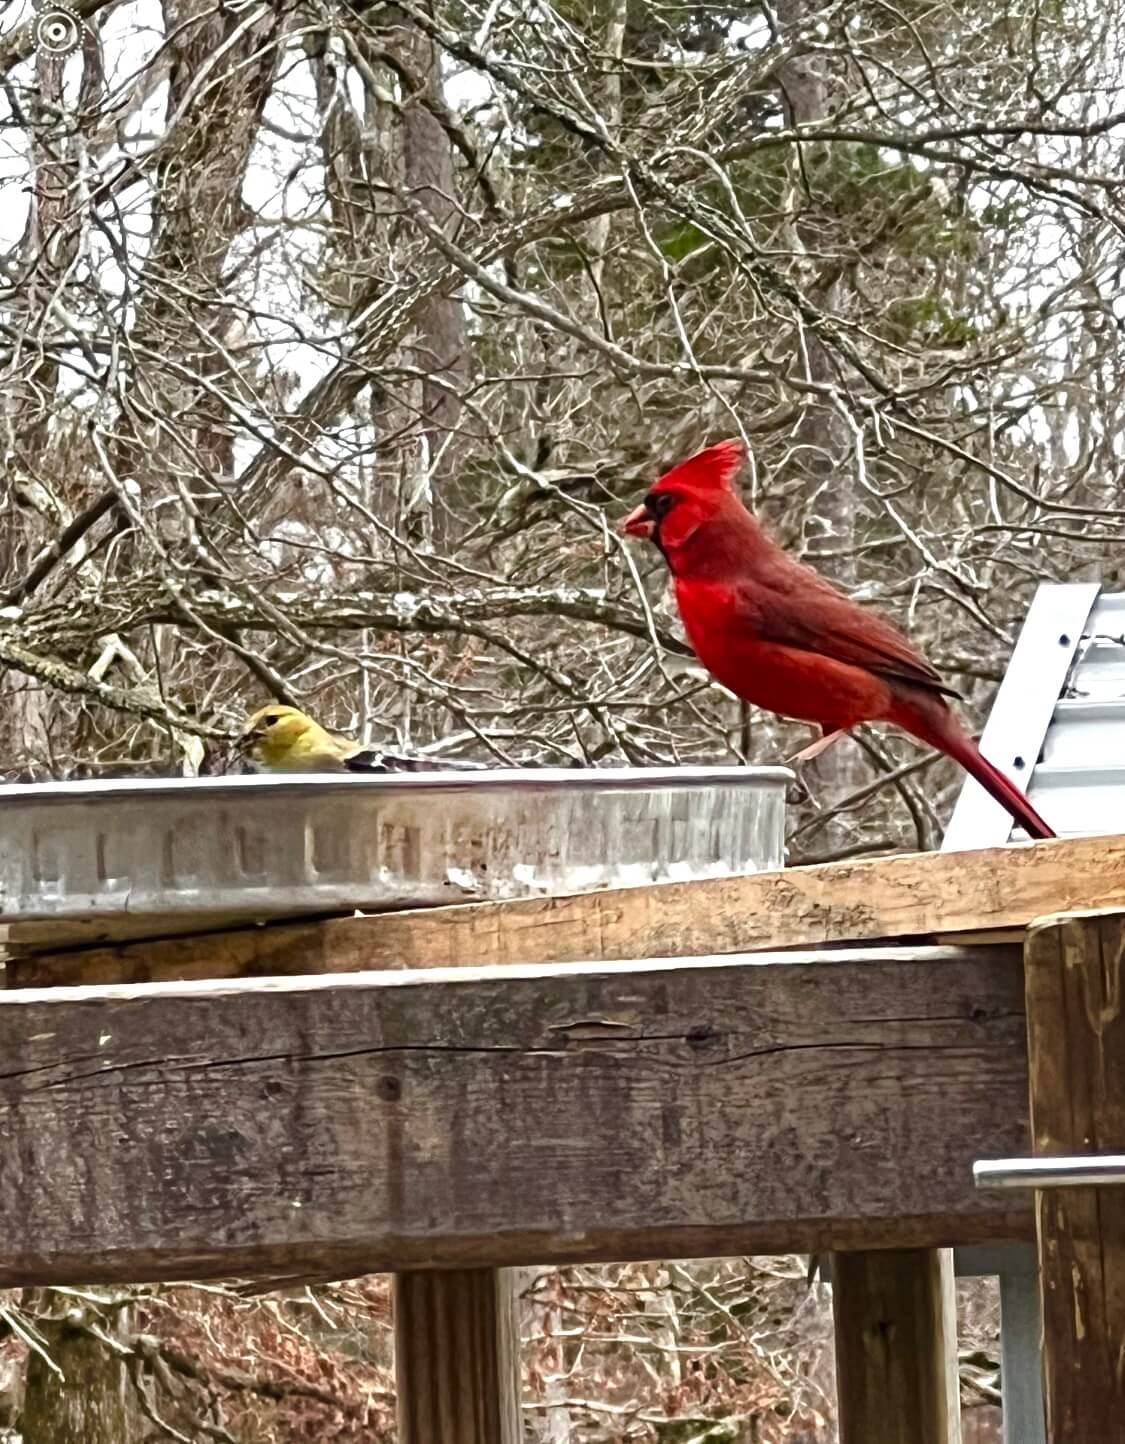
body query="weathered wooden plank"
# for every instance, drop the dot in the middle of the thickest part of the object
(511, 1115)
(913, 895)
(457, 1365)
(893, 1382)
(1076, 1042)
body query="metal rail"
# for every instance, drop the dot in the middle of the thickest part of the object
(1083, 1171)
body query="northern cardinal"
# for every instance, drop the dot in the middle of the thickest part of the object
(776, 634)
(282, 739)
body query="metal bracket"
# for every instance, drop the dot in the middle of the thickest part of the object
(1082, 1171)
(1022, 711)
(1015, 733)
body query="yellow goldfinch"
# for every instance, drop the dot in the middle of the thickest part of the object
(282, 739)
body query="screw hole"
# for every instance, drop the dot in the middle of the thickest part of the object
(1019, 763)
(1064, 640)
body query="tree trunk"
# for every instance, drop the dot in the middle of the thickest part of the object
(440, 352)
(820, 441)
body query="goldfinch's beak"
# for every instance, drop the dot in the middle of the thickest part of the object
(638, 523)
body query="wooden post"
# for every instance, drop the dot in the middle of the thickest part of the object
(896, 1325)
(457, 1357)
(1075, 981)
(893, 1312)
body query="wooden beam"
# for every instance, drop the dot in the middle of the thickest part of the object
(891, 1312)
(914, 895)
(1076, 1039)
(457, 1365)
(514, 1115)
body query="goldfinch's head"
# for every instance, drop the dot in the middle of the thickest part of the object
(275, 734)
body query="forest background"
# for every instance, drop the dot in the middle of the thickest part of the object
(334, 339)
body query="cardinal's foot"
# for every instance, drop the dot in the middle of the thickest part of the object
(814, 749)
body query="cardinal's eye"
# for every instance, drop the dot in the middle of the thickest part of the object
(659, 503)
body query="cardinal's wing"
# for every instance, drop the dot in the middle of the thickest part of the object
(792, 606)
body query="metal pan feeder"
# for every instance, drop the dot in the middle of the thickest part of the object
(267, 847)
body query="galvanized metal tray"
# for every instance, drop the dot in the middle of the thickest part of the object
(260, 848)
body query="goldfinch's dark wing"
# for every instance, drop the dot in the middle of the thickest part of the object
(370, 760)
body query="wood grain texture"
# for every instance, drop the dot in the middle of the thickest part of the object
(893, 1384)
(457, 1364)
(511, 1115)
(913, 895)
(1075, 971)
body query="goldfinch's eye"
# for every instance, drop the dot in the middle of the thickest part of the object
(659, 503)
(269, 721)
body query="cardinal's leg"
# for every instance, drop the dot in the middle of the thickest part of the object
(822, 744)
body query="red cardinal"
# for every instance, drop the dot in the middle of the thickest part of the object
(778, 635)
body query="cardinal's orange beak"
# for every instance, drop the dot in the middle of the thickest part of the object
(638, 523)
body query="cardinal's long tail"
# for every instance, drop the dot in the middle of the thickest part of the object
(943, 731)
